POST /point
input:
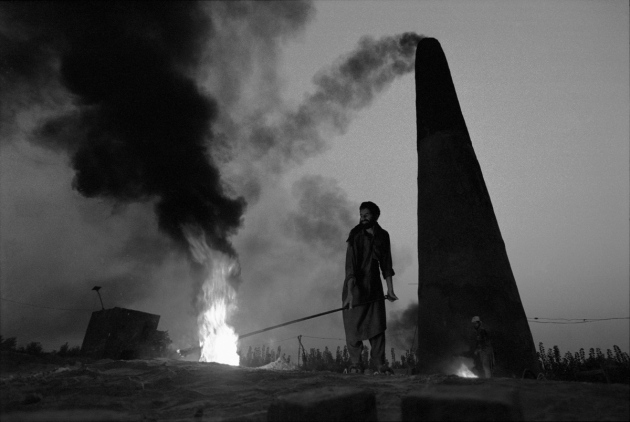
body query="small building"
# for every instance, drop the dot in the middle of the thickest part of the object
(119, 333)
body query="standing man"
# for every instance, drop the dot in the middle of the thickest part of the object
(483, 348)
(368, 249)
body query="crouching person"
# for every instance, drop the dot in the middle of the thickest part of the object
(483, 348)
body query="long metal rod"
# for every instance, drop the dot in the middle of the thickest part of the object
(308, 317)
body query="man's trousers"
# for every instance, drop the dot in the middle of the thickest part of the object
(377, 352)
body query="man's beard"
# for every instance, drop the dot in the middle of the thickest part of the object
(360, 227)
(366, 224)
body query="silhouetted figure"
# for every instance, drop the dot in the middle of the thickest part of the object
(483, 347)
(368, 249)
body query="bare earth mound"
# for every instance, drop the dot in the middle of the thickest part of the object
(170, 390)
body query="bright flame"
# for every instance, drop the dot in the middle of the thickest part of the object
(464, 372)
(217, 340)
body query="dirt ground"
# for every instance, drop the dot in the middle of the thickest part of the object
(171, 390)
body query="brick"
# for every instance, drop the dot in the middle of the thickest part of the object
(325, 404)
(457, 403)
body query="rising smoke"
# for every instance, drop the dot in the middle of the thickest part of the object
(141, 128)
(140, 125)
(123, 89)
(346, 87)
(401, 328)
(274, 138)
(297, 262)
(323, 214)
(296, 256)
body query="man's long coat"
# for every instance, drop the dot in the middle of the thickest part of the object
(365, 254)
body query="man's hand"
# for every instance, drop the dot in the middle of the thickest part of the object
(348, 302)
(391, 296)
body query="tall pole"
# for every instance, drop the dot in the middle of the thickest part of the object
(303, 351)
(97, 288)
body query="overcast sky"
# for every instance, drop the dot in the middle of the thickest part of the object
(544, 90)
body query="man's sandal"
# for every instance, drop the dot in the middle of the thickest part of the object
(353, 369)
(385, 370)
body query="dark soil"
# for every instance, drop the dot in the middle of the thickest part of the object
(33, 389)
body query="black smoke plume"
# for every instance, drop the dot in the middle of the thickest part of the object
(274, 137)
(402, 328)
(139, 126)
(116, 86)
(346, 87)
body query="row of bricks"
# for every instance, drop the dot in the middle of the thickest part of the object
(442, 403)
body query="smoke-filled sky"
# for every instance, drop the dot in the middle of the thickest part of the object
(266, 124)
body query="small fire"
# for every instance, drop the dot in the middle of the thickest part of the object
(217, 340)
(464, 372)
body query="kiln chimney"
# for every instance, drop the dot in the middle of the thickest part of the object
(464, 269)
